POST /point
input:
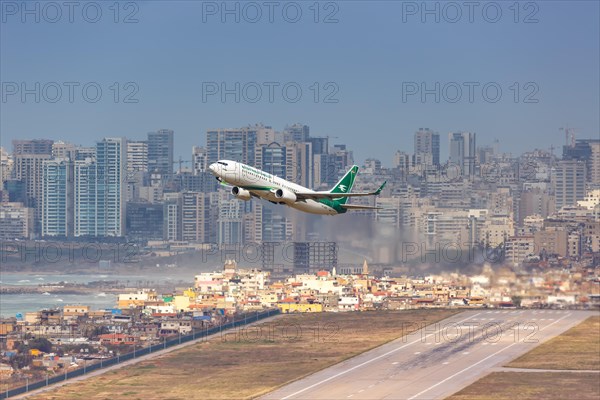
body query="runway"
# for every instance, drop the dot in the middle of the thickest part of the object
(437, 360)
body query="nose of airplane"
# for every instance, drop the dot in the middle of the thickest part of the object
(212, 168)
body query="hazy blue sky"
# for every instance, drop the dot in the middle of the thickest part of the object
(373, 51)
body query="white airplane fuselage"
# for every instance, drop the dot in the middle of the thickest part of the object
(265, 185)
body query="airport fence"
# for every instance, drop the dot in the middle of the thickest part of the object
(120, 358)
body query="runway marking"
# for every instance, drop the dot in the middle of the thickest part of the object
(485, 343)
(479, 362)
(417, 352)
(367, 362)
(465, 352)
(446, 363)
(395, 362)
(361, 390)
(349, 396)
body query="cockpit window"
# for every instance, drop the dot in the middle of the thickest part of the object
(222, 163)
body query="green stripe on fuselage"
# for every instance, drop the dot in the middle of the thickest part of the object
(256, 187)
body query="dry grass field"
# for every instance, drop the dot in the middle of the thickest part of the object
(577, 348)
(247, 364)
(533, 386)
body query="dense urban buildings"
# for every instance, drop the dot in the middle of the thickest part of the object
(536, 207)
(160, 153)
(427, 147)
(480, 229)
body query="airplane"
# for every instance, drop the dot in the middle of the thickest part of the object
(247, 182)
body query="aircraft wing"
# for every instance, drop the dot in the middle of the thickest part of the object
(329, 195)
(358, 207)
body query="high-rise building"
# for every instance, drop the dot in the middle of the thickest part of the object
(299, 163)
(325, 171)
(86, 198)
(15, 221)
(297, 133)
(535, 202)
(195, 219)
(310, 257)
(587, 150)
(427, 147)
(100, 190)
(199, 160)
(6, 166)
(29, 157)
(33, 146)
(230, 221)
(569, 179)
(58, 198)
(160, 153)
(231, 144)
(137, 156)
(271, 158)
(270, 224)
(389, 212)
(29, 169)
(320, 145)
(172, 226)
(594, 163)
(137, 168)
(144, 221)
(62, 149)
(344, 158)
(484, 155)
(266, 134)
(84, 153)
(15, 189)
(111, 158)
(402, 163)
(372, 166)
(204, 182)
(462, 151)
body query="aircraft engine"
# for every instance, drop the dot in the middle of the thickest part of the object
(240, 193)
(285, 195)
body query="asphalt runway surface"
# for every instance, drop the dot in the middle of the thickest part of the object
(436, 360)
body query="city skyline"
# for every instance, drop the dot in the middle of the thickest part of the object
(444, 145)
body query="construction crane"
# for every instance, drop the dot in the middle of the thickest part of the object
(569, 135)
(180, 162)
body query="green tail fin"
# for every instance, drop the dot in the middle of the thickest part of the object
(345, 184)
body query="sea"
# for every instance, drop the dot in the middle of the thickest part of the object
(13, 304)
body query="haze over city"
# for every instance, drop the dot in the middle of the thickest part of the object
(300, 200)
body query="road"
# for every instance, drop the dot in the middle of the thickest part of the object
(435, 361)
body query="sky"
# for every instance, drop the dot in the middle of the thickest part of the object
(367, 74)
